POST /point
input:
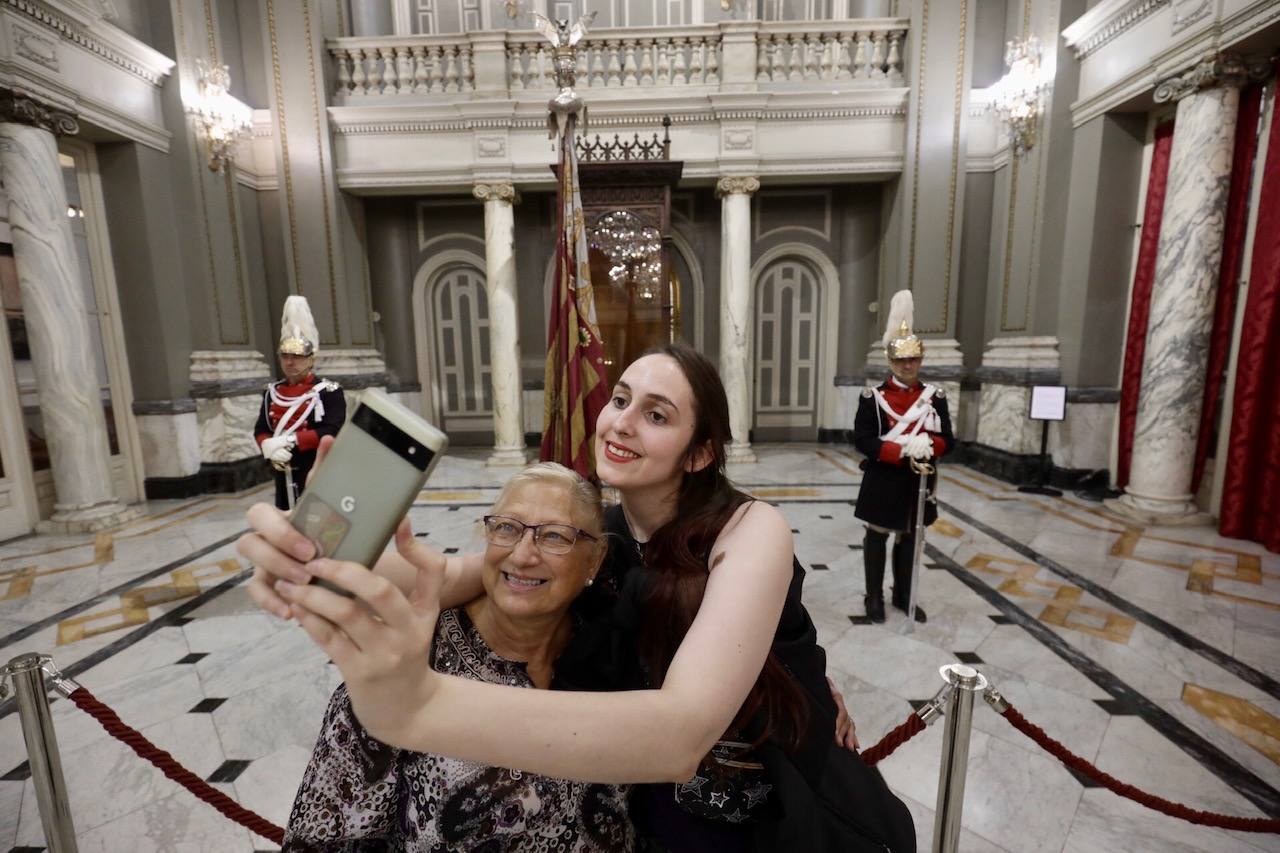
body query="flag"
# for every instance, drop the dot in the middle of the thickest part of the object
(576, 385)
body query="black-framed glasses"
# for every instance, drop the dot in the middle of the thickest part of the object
(551, 538)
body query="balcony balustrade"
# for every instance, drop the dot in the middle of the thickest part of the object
(731, 56)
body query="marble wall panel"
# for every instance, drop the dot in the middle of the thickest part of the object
(1003, 421)
(1083, 440)
(170, 444)
(226, 427)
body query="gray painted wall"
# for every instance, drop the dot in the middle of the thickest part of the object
(975, 257)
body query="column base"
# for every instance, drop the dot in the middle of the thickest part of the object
(87, 519)
(1158, 511)
(741, 453)
(507, 457)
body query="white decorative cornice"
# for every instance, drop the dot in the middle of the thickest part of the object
(97, 36)
(345, 127)
(1105, 21)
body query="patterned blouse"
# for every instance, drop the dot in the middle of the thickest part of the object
(359, 794)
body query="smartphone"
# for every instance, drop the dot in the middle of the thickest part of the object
(367, 482)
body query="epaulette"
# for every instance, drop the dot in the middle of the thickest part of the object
(867, 392)
(328, 385)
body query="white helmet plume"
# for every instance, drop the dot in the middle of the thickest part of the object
(298, 333)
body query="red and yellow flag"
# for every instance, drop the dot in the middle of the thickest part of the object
(576, 386)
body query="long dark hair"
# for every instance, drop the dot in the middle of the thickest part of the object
(677, 555)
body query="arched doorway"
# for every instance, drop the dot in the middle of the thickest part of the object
(453, 347)
(792, 356)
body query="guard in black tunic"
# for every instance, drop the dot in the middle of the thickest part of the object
(899, 420)
(299, 409)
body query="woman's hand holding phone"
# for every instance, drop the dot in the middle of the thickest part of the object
(382, 641)
(279, 552)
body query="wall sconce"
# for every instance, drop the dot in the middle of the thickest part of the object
(1018, 96)
(224, 119)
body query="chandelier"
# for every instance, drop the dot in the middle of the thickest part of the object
(224, 119)
(634, 251)
(1018, 96)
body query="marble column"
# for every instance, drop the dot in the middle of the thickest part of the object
(504, 328)
(1182, 299)
(735, 307)
(57, 318)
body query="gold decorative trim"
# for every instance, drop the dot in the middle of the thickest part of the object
(324, 181)
(1034, 262)
(915, 167)
(342, 19)
(284, 145)
(229, 176)
(208, 28)
(1008, 244)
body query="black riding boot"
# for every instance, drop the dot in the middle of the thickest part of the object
(903, 552)
(873, 554)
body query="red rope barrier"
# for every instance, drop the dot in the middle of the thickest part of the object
(85, 701)
(894, 739)
(1151, 801)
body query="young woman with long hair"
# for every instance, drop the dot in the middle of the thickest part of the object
(720, 692)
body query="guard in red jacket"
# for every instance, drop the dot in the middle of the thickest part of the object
(299, 409)
(899, 420)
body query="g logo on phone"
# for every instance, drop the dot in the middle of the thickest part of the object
(347, 503)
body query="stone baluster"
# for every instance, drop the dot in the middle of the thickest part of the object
(830, 46)
(53, 289)
(630, 71)
(843, 58)
(597, 63)
(359, 80)
(877, 57)
(436, 75)
(404, 56)
(713, 61)
(1182, 301)
(664, 61)
(679, 68)
(343, 60)
(810, 55)
(451, 68)
(777, 62)
(615, 66)
(894, 61)
(795, 67)
(762, 59)
(861, 59)
(504, 326)
(735, 307)
(697, 51)
(515, 68)
(466, 69)
(581, 71)
(390, 74)
(646, 62)
(375, 73)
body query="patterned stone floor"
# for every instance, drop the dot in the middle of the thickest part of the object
(1150, 651)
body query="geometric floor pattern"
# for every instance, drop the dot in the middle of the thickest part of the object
(1152, 652)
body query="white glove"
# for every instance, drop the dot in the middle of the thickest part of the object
(281, 456)
(271, 445)
(919, 446)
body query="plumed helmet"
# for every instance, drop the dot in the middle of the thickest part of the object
(899, 339)
(298, 333)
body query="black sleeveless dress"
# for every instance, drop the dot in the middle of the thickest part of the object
(604, 655)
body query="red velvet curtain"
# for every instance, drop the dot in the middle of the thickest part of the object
(1251, 497)
(1140, 305)
(1224, 316)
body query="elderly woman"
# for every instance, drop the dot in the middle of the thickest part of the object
(544, 547)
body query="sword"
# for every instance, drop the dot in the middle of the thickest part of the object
(288, 489)
(923, 470)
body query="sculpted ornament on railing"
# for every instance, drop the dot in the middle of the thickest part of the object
(863, 54)
(436, 65)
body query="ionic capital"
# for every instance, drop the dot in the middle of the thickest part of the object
(20, 109)
(495, 191)
(1223, 69)
(737, 184)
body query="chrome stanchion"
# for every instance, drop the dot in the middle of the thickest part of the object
(28, 674)
(965, 681)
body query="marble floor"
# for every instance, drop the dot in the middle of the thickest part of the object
(1150, 651)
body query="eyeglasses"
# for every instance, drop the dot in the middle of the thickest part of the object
(550, 538)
